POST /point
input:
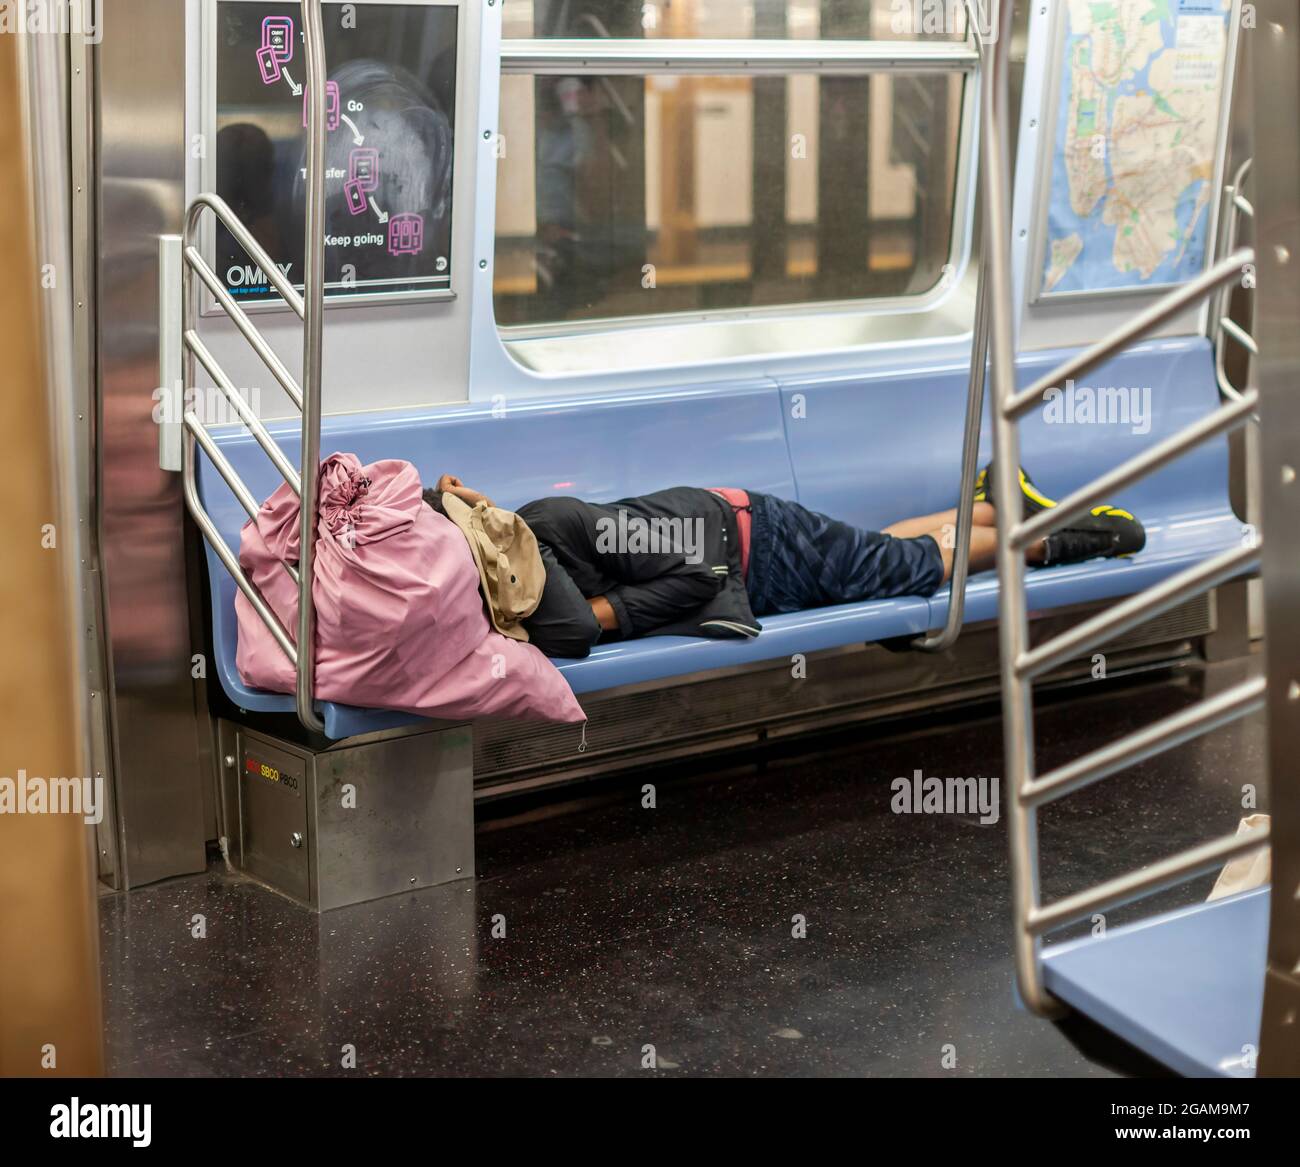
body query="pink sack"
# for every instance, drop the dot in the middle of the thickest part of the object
(400, 622)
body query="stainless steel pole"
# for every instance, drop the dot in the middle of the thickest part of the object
(974, 411)
(313, 294)
(1013, 624)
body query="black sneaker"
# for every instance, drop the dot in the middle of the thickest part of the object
(1074, 546)
(1130, 535)
(1035, 500)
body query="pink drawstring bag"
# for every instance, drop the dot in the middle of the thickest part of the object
(400, 622)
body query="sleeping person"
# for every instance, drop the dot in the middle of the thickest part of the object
(691, 561)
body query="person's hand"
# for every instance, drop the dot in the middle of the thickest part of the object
(604, 612)
(450, 484)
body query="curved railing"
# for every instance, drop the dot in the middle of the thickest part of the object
(1021, 664)
(309, 308)
(1223, 327)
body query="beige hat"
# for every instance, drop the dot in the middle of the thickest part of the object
(509, 564)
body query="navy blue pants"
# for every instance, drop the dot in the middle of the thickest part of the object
(800, 559)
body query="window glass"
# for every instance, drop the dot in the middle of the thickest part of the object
(737, 19)
(628, 196)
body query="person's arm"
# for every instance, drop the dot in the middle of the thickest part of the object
(628, 593)
(642, 607)
(563, 624)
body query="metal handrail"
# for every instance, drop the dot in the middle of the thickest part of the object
(309, 307)
(1161, 312)
(1020, 664)
(1223, 420)
(194, 347)
(956, 616)
(232, 309)
(241, 492)
(1183, 726)
(1149, 880)
(1238, 205)
(591, 56)
(1135, 610)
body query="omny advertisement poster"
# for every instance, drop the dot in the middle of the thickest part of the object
(390, 122)
(1130, 172)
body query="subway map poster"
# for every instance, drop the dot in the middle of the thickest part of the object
(390, 117)
(1132, 170)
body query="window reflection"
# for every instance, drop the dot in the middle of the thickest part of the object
(737, 19)
(630, 196)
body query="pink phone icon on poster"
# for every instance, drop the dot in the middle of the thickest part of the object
(268, 65)
(406, 234)
(277, 47)
(356, 196)
(332, 109)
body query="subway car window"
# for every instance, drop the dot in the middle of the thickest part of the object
(635, 196)
(730, 19)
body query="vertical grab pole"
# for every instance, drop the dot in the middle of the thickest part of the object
(189, 323)
(313, 298)
(1221, 302)
(1013, 624)
(974, 401)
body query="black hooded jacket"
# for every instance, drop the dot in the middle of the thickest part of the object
(668, 563)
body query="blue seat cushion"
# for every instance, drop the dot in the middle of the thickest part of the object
(1186, 988)
(657, 657)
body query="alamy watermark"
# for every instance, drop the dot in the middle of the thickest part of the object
(940, 18)
(1128, 405)
(60, 17)
(637, 535)
(210, 406)
(922, 794)
(75, 1119)
(32, 794)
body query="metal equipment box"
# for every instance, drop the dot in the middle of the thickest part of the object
(351, 823)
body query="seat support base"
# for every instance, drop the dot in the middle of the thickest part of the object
(349, 824)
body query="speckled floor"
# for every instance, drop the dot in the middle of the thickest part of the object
(674, 928)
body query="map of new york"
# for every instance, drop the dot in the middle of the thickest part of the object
(1136, 143)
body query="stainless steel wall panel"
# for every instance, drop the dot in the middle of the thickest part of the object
(139, 193)
(1275, 50)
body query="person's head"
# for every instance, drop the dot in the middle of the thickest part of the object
(449, 483)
